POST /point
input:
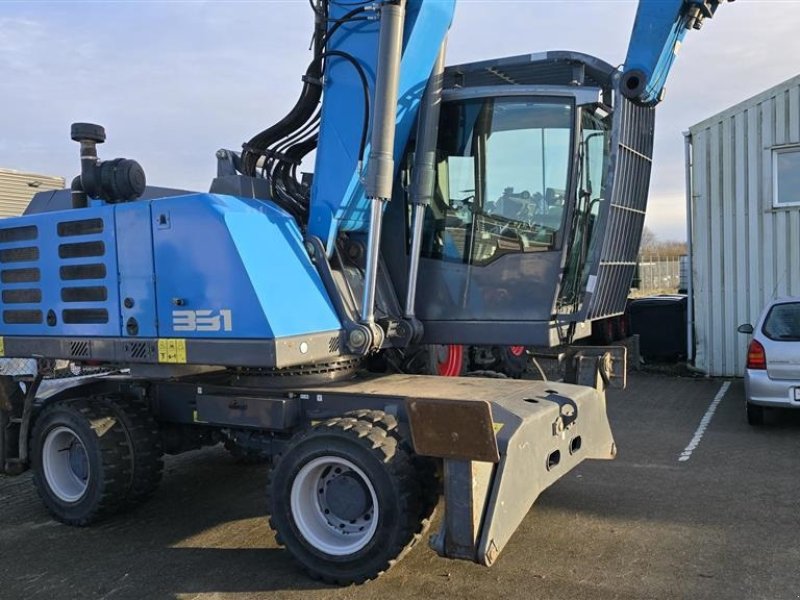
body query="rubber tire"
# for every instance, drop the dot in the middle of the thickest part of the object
(755, 414)
(605, 331)
(511, 365)
(145, 440)
(426, 468)
(622, 328)
(388, 466)
(109, 455)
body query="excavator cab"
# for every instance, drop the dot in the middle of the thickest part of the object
(526, 237)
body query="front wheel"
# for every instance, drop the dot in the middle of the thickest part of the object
(345, 501)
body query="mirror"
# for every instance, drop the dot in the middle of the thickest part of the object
(746, 328)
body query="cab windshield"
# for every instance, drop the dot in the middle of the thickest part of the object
(503, 168)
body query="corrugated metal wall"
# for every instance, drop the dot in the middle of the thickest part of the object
(745, 251)
(17, 189)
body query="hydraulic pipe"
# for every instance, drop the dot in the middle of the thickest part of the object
(422, 184)
(380, 167)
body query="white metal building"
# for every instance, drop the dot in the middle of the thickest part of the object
(17, 189)
(744, 219)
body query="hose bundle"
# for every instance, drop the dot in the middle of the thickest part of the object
(276, 153)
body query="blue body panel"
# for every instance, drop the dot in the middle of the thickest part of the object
(199, 266)
(136, 276)
(215, 253)
(338, 199)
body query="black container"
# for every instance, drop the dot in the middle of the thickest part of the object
(660, 322)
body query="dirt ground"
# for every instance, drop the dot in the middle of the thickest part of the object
(722, 524)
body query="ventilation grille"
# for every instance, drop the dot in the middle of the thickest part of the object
(85, 316)
(79, 350)
(22, 296)
(81, 250)
(18, 271)
(82, 227)
(73, 272)
(334, 345)
(145, 351)
(97, 293)
(22, 317)
(12, 255)
(20, 275)
(18, 234)
(53, 276)
(633, 149)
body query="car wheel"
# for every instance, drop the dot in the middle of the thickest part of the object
(755, 414)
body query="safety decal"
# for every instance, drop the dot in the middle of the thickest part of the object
(172, 351)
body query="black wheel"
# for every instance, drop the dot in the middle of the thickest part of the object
(81, 460)
(622, 328)
(755, 414)
(144, 438)
(426, 468)
(514, 360)
(604, 331)
(344, 500)
(446, 360)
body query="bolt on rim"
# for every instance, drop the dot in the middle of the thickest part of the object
(334, 506)
(65, 464)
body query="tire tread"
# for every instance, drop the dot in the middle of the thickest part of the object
(116, 472)
(385, 446)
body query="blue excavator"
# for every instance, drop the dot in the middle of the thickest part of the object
(294, 316)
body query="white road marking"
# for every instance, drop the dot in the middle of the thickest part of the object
(704, 423)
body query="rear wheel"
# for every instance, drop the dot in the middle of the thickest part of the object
(344, 500)
(82, 461)
(446, 360)
(514, 360)
(622, 327)
(755, 414)
(144, 439)
(604, 331)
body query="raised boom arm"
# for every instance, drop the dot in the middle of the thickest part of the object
(658, 31)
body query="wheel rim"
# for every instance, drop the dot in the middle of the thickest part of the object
(449, 360)
(65, 464)
(334, 506)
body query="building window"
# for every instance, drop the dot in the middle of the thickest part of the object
(786, 177)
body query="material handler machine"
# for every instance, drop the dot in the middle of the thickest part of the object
(284, 314)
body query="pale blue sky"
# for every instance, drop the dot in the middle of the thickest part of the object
(174, 81)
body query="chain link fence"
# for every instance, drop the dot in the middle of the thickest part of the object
(659, 274)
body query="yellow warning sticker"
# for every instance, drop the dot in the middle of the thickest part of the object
(497, 427)
(2, 346)
(172, 351)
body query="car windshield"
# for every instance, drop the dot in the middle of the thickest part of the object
(783, 322)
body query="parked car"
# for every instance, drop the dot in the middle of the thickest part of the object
(772, 376)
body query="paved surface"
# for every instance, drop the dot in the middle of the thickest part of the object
(723, 524)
